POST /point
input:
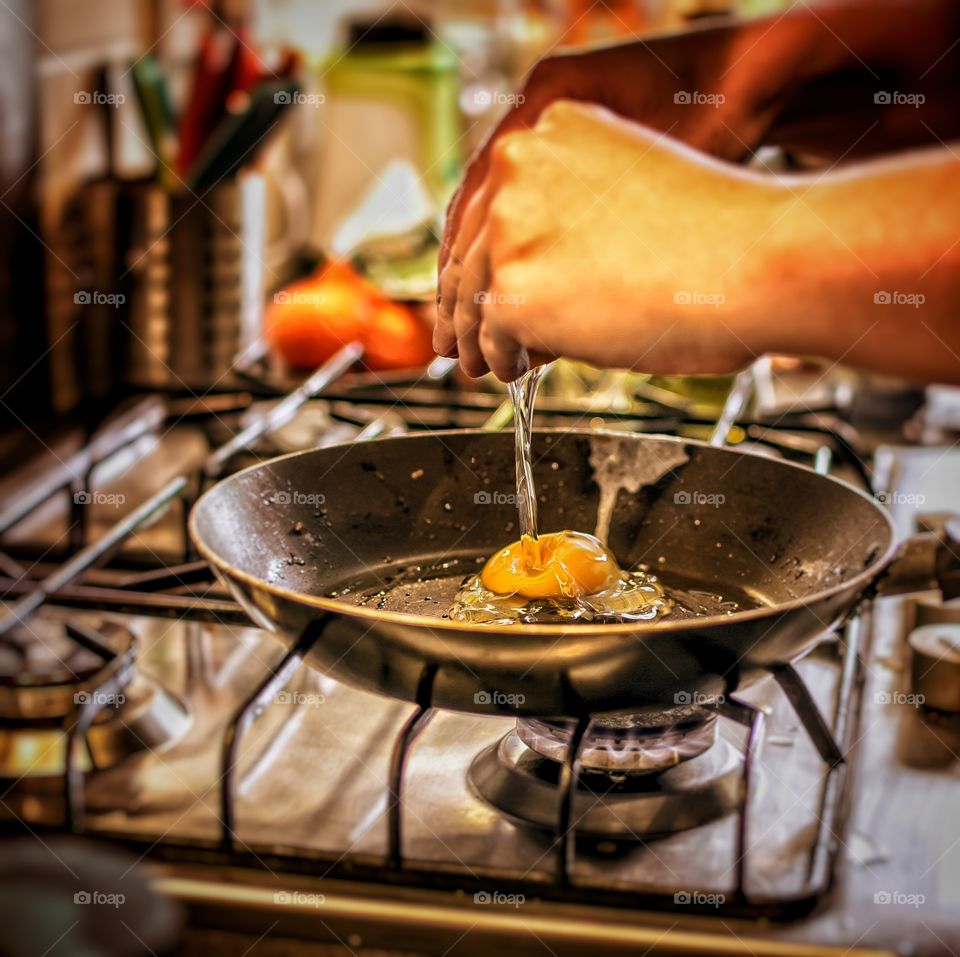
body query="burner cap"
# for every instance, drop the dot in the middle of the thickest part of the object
(42, 653)
(632, 807)
(631, 744)
(46, 666)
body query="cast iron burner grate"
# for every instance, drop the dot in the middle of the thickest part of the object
(72, 699)
(831, 742)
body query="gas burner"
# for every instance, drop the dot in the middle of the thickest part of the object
(632, 743)
(57, 673)
(49, 666)
(640, 776)
(53, 665)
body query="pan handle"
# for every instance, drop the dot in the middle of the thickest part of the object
(924, 562)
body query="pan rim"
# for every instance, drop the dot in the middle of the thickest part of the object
(857, 583)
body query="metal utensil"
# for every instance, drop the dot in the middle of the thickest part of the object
(237, 137)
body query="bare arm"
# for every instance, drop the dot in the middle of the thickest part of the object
(864, 267)
(601, 240)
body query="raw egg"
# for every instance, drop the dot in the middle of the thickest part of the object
(557, 565)
(559, 577)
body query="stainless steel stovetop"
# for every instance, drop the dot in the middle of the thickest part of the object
(270, 814)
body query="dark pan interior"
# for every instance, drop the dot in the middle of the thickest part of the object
(316, 521)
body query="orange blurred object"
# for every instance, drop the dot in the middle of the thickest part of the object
(311, 319)
(396, 339)
(602, 21)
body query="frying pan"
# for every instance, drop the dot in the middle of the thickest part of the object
(304, 540)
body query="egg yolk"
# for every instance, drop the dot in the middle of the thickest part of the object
(557, 565)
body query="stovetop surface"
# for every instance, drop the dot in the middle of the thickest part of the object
(313, 773)
(313, 768)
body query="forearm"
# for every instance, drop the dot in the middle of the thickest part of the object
(599, 240)
(863, 266)
(875, 76)
(911, 38)
(841, 77)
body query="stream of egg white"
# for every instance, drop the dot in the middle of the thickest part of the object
(636, 595)
(523, 392)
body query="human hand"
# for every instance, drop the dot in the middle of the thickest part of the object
(671, 83)
(599, 240)
(815, 80)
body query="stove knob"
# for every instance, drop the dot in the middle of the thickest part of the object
(948, 559)
(935, 665)
(932, 610)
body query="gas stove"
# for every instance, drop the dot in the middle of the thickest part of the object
(141, 708)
